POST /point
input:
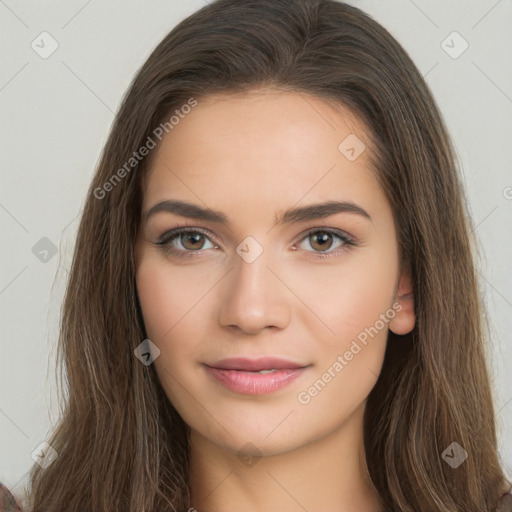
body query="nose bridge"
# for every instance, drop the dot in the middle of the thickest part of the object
(254, 297)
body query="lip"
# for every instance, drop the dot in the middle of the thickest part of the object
(257, 364)
(235, 374)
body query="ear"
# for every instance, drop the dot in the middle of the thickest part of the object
(403, 303)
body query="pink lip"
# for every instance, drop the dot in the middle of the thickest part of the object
(235, 374)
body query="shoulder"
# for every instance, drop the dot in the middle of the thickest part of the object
(505, 503)
(7, 501)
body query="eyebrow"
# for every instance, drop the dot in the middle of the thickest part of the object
(293, 215)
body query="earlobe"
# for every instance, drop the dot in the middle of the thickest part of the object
(405, 318)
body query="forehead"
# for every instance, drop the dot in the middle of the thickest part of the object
(263, 147)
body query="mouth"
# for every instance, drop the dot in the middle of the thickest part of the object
(255, 376)
(256, 365)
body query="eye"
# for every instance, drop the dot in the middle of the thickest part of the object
(188, 242)
(321, 240)
(181, 241)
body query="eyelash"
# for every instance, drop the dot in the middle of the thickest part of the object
(164, 242)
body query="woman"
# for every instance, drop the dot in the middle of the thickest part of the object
(325, 348)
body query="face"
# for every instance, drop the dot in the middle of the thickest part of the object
(314, 289)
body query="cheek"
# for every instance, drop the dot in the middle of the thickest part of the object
(164, 303)
(169, 295)
(343, 300)
(173, 300)
(350, 361)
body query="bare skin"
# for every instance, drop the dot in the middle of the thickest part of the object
(251, 157)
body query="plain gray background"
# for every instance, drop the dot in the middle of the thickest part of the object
(56, 113)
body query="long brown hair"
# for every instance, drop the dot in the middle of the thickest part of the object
(121, 445)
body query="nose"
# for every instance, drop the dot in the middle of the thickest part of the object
(254, 296)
